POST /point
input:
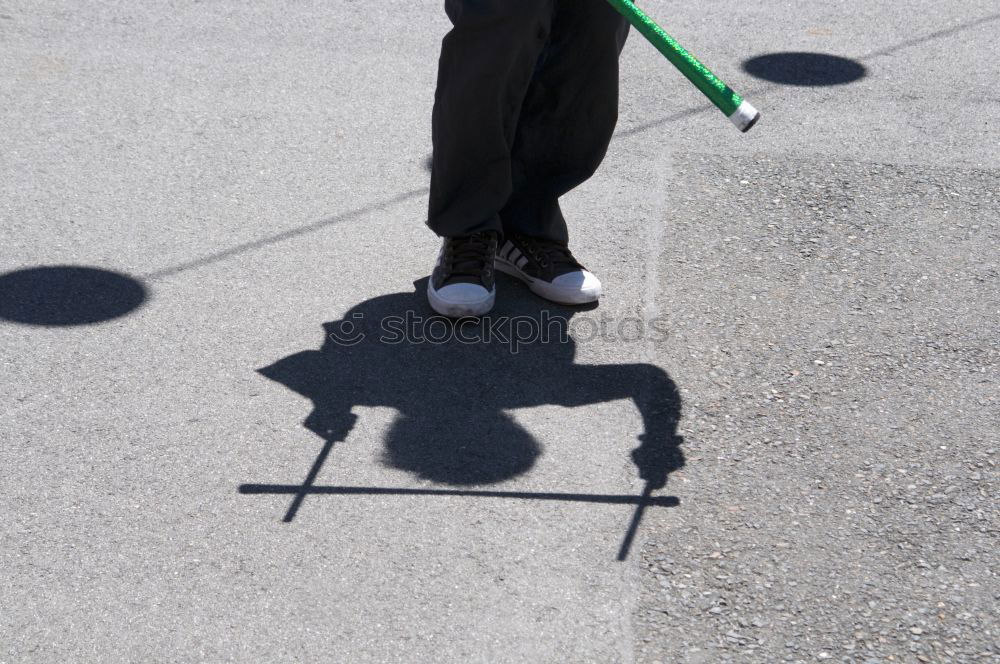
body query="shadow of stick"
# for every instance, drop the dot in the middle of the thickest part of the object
(308, 486)
(633, 527)
(305, 488)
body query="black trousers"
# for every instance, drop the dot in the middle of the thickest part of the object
(526, 104)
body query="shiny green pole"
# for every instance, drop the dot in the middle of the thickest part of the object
(735, 107)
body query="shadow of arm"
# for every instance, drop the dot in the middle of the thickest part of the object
(658, 400)
(310, 374)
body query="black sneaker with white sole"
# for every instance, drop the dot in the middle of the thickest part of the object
(548, 268)
(463, 281)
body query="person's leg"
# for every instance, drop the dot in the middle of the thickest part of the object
(567, 118)
(487, 61)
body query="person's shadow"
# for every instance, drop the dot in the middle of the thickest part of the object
(451, 383)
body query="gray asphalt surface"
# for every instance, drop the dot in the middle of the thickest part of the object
(828, 282)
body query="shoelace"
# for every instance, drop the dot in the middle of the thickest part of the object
(468, 255)
(547, 252)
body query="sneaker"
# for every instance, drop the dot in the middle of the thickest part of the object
(549, 269)
(462, 283)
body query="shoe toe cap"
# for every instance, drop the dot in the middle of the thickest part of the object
(582, 281)
(463, 293)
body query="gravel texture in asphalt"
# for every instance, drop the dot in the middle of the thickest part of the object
(838, 358)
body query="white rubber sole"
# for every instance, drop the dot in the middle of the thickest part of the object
(547, 290)
(462, 309)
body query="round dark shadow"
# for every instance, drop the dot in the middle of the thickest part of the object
(806, 69)
(61, 295)
(467, 448)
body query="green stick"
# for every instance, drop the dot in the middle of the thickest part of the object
(736, 108)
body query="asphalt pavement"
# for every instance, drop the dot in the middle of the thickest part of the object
(233, 432)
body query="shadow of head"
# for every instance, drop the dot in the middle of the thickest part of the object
(805, 69)
(453, 384)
